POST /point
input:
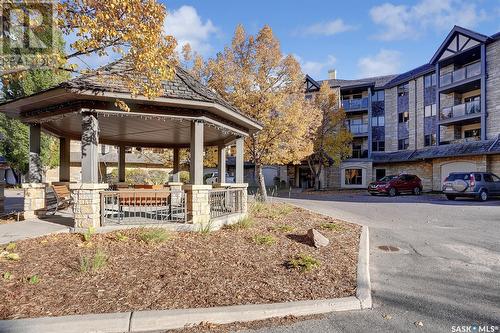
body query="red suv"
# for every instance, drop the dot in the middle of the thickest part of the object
(392, 185)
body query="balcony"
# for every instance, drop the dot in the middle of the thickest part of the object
(359, 153)
(355, 104)
(358, 129)
(463, 111)
(460, 75)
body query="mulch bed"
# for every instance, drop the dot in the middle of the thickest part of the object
(225, 267)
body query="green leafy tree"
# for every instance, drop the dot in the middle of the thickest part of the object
(14, 143)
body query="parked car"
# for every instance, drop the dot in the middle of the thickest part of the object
(213, 178)
(395, 184)
(479, 185)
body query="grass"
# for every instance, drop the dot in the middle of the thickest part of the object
(205, 228)
(7, 276)
(121, 237)
(34, 279)
(269, 210)
(13, 256)
(154, 236)
(304, 262)
(264, 239)
(243, 223)
(87, 235)
(283, 228)
(331, 226)
(10, 247)
(94, 263)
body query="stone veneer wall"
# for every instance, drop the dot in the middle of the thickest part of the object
(494, 164)
(481, 165)
(419, 116)
(87, 204)
(332, 177)
(412, 125)
(493, 89)
(34, 200)
(391, 120)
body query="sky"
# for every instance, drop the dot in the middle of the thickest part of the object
(357, 38)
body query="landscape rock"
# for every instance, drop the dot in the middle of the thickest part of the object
(316, 238)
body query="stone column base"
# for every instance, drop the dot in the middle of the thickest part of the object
(34, 200)
(175, 185)
(87, 204)
(197, 205)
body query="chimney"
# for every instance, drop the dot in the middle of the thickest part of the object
(332, 74)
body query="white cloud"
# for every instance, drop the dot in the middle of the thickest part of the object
(383, 63)
(316, 69)
(328, 28)
(187, 27)
(403, 21)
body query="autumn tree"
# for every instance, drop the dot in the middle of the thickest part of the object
(331, 138)
(255, 76)
(130, 28)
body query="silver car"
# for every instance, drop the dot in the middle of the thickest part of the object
(479, 185)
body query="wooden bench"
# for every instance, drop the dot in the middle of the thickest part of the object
(62, 196)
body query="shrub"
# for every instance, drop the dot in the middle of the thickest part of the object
(205, 228)
(10, 247)
(243, 223)
(12, 256)
(154, 236)
(7, 276)
(331, 226)
(283, 228)
(264, 239)
(121, 237)
(93, 263)
(34, 279)
(304, 262)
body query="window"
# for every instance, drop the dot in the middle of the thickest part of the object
(488, 178)
(378, 145)
(378, 121)
(403, 89)
(378, 96)
(403, 144)
(472, 99)
(430, 80)
(430, 140)
(403, 117)
(472, 133)
(379, 174)
(478, 177)
(430, 110)
(353, 177)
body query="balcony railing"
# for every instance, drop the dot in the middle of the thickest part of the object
(355, 104)
(359, 153)
(461, 110)
(460, 74)
(358, 128)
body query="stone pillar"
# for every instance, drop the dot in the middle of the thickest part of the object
(34, 200)
(196, 149)
(221, 163)
(87, 204)
(121, 164)
(90, 143)
(197, 205)
(176, 172)
(239, 160)
(64, 159)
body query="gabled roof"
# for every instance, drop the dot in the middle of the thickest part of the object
(411, 74)
(455, 31)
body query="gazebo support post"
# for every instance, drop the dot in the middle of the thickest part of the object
(64, 160)
(197, 204)
(176, 184)
(34, 190)
(221, 163)
(86, 195)
(239, 160)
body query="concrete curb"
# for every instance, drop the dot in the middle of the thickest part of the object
(154, 320)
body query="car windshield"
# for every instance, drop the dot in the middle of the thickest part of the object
(388, 178)
(458, 176)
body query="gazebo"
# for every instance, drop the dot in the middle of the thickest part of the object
(186, 115)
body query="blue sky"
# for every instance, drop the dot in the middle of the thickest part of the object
(358, 38)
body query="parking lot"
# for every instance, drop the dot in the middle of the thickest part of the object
(433, 261)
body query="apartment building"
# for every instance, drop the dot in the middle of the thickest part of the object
(441, 117)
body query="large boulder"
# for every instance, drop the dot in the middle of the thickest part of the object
(316, 238)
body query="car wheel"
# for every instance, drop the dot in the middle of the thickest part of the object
(392, 192)
(483, 195)
(417, 191)
(451, 197)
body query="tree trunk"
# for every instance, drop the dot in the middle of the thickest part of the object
(316, 177)
(259, 175)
